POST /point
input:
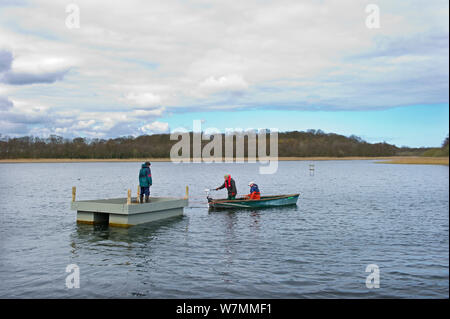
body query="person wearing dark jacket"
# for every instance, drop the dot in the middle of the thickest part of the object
(230, 185)
(145, 181)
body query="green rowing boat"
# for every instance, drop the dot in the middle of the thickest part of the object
(265, 201)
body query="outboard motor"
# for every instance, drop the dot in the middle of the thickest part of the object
(207, 195)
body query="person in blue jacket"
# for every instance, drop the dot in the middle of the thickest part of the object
(254, 191)
(145, 181)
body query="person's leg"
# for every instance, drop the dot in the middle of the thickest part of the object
(141, 195)
(147, 194)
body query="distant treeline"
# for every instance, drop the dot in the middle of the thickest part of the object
(290, 144)
(438, 152)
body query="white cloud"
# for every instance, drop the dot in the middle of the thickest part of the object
(40, 64)
(155, 127)
(144, 99)
(228, 83)
(83, 124)
(147, 113)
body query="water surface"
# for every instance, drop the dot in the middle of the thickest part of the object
(350, 214)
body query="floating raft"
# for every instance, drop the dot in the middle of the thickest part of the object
(125, 213)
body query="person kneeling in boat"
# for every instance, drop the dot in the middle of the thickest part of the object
(254, 191)
(230, 185)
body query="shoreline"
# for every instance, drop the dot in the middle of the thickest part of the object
(418, 161)
(387, 160)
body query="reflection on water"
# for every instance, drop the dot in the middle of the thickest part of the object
(135, 234)
(256, 218)
(102, 238)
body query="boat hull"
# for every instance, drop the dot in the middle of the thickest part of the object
(264, 202)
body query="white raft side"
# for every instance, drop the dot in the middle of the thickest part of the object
(126, 220)
(118, 213)
(156, 204)
(112, 206)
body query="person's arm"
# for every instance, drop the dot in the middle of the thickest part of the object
(149, 177)
(220, 187)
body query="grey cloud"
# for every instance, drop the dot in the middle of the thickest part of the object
(13, 3)
(417, 44)
(7, 76)
(5, 103)
(9, 128)
(24, 118)
(22, 123)
(30, 78)
(6, 59)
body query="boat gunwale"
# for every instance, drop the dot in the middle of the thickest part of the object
(274, 197)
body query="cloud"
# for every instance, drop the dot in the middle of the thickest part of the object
(228, 83)
(5, 104)
(31, 69)
(22, 112)
(46, 120)
(142, 114)
(144, 99)
(6, 3)
(432, 42)
(6, 59)
(30, 78)
(81, 125)
(155, 127)
(13, 128)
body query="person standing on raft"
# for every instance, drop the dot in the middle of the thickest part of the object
(230, 185)
(145, 181)
(254, 191)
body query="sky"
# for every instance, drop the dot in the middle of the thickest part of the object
(117, 68)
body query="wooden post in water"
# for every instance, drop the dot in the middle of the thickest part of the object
(129, 197)
(74, 193)
(138, 198)
(187, 192)
(311, 169)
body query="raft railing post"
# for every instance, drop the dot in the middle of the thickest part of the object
(129, 197)
(138, 200)
(74, 193)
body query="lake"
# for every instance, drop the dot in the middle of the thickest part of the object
(350, 214)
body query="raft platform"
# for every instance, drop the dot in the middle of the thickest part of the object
(123, 212)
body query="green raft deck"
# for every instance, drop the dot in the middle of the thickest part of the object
(264, 202)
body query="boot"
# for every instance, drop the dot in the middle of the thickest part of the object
(147, 198)
(141, 198)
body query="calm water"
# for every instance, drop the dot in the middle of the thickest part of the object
(350, 214)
